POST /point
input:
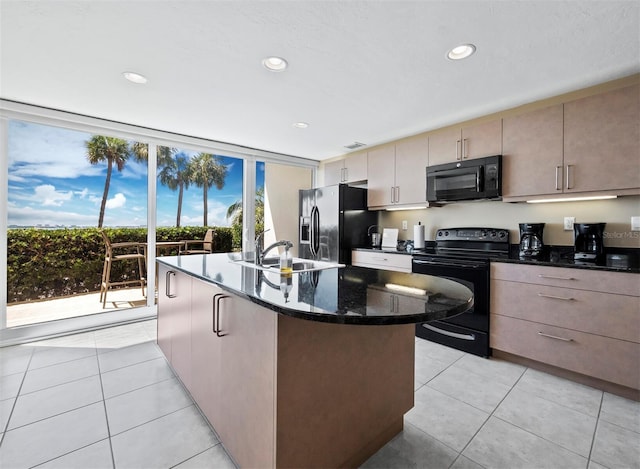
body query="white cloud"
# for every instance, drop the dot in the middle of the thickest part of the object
(47, 195)
(83, 193)
(117, 201)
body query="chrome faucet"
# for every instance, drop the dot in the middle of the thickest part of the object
(260, 258)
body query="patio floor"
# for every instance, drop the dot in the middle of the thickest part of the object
(72, 306)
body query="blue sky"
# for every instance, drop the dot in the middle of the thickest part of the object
(52, 183)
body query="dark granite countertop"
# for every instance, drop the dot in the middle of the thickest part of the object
(346, 295)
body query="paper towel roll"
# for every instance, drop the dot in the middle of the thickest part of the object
(418, 236)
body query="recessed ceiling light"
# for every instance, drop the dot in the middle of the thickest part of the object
(135, 77)
(275, 64)
(301, 125)
(461, 52)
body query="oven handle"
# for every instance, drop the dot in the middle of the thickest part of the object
(444, 264)
(450, 334)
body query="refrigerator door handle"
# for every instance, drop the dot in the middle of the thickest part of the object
(315, 228)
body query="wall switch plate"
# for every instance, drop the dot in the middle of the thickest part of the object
(635, 223)
(404, 225)
(568, 223)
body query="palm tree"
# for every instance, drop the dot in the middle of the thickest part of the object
(164, 154)
(109, 149)
(235, 213)
(175, 174)
(206, 170)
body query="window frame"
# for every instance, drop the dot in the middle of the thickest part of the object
(10, 110)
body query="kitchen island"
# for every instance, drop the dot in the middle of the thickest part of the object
(315, 369)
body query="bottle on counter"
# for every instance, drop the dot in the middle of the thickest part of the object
(286, 261)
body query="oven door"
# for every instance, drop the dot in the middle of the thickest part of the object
(468, 331)
(464, 183)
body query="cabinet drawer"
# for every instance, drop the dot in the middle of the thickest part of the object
(603, 281)
(608, 359)
(381, 260)
(615, 316)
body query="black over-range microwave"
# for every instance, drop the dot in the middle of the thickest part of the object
(475, 179)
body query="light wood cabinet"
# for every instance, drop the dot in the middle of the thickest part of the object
(397, 173)
(532, 158)
(602, 141)
(465, 142)
(351, 169)
(587, 145)
(584, 321)
(381, 260)
(174, 320)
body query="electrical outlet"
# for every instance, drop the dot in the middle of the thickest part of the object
(635, 223)
(568, 223)
(404, 225)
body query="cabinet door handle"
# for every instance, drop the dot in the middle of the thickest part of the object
(214, 314)
(346, 174)
(458, 148)
(569, 166)
(564, 339)
(392, 194)
(391, 304)
(465, 149)
(555, 297)
(397, 194)
(216, 319)
(167, 287)
(554, 277)
(558, 177)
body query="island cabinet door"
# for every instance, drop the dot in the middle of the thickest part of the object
(247, 382)
(174, 320)
(206, 349)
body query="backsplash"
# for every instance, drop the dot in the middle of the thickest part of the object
(615, 213)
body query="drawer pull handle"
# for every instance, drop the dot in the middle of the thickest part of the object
(564, 339)
(555, 297)
(554, 277)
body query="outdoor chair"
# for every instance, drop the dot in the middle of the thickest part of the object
(202, 246)
(116, 252)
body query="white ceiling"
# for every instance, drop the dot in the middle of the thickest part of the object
(367, 71)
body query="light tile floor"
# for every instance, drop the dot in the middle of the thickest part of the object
(108, 399)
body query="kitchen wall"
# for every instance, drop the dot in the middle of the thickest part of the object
(282, 184)
(616, 213)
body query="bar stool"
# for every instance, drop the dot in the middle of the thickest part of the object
(130, 251)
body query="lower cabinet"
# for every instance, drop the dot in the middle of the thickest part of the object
(381, 260)
(584, 321)
(222, 348)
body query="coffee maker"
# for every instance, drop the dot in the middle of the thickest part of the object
(531, 244)
(589, 242)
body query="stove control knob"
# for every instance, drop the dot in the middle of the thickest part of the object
(439, 233)
(493, 234)
(446, 233)
(502, 234)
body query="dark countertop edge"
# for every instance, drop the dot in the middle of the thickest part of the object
(326, 317)
(515, 259)
(597, 268)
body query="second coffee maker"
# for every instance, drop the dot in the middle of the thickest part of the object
(531, 244)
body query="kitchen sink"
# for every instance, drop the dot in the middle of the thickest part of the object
(273, 264)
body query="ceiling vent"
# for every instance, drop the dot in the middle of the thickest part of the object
(355, 145)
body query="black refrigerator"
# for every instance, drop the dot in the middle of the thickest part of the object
(333, 220)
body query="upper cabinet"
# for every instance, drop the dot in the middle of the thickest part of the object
(397, 173)
(532, 153)
(602, 141)
(353, 168)
(465, 142)
(587, 145)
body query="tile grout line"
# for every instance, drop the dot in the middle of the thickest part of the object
(15, 401)
(595, 430)
(104, 408)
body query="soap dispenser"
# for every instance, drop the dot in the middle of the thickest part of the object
(286, 261)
